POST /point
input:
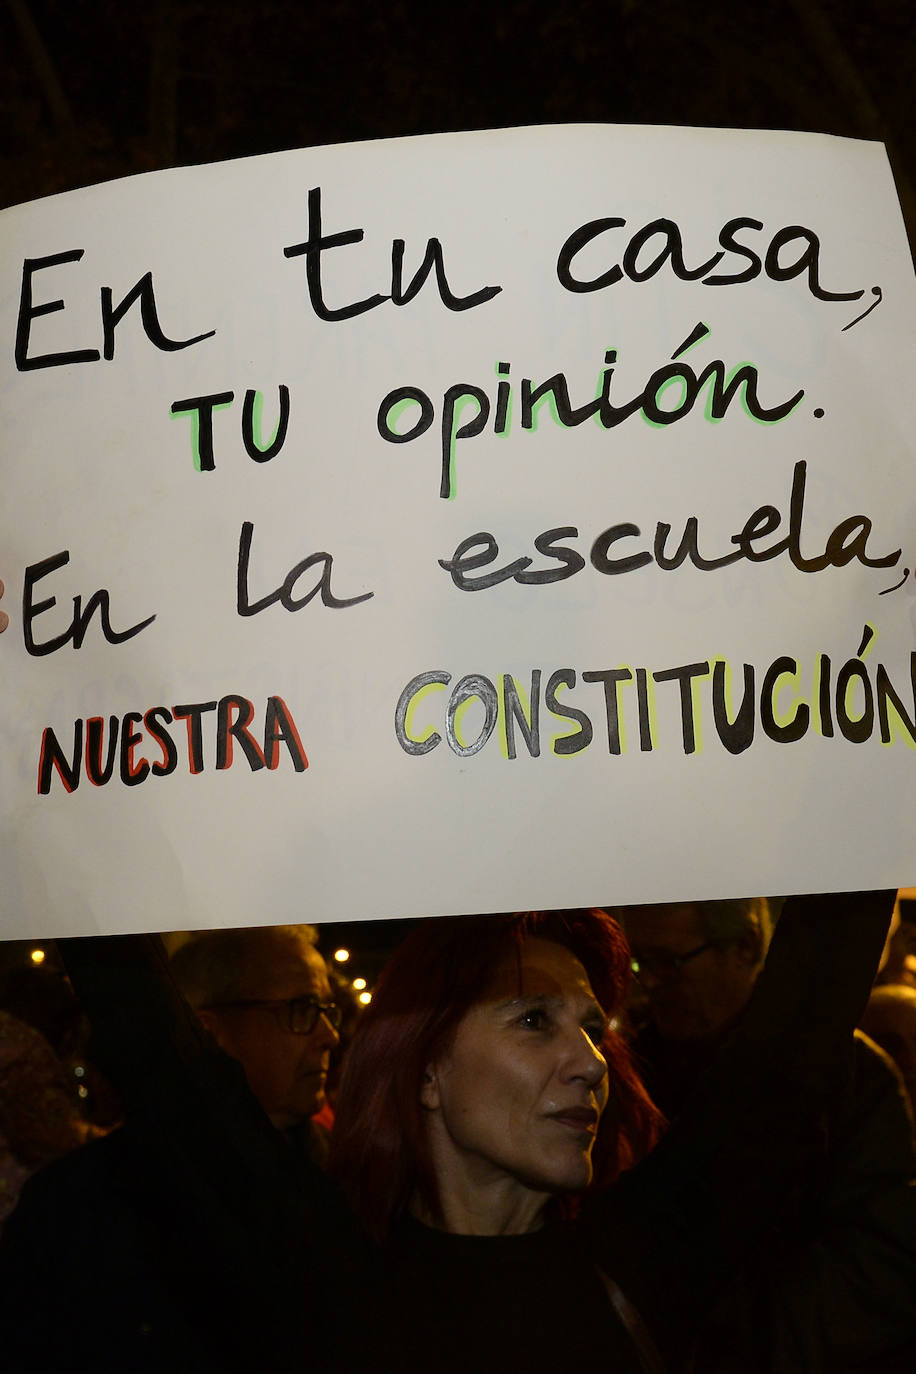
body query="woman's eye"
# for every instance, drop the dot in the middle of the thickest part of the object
(596, 1031)
(535, 1018)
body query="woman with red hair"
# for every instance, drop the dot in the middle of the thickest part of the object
(485, 1093)
(545, 987)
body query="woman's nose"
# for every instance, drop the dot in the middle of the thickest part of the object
(585, 1059)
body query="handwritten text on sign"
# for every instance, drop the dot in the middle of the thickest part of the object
(461, 523)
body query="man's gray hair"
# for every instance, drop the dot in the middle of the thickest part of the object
(739, 919)
(219, 966)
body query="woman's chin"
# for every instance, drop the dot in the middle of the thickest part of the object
(570, 1175)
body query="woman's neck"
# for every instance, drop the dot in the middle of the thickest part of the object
(474, 1207)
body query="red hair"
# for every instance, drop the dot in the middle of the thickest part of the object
(379, 1147)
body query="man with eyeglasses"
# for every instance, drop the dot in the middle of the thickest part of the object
(94, 1227)
(696, 964)
(264, 995)
(843, 1294)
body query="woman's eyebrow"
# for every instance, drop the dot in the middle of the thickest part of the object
(542, 999)
(526, 999)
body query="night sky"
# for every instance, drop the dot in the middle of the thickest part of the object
(92, 89)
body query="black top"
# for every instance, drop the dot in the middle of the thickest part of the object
(529, 1302)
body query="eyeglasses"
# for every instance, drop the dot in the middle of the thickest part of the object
(662, 964)
(299, 1015)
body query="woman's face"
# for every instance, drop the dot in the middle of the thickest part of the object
(516, 1100)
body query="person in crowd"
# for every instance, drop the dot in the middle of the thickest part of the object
(40, 1118)
(890, 1021)
(898, 966)
(264, 995)
(42, 997)
(697, 964)
(99, 1221)
(52, 1098)
(351, 1009)
(486, 1216)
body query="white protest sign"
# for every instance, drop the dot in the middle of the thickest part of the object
(463, 523)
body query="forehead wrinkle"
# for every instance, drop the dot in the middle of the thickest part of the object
(292, 975)
(539, 968)
(510, 1003)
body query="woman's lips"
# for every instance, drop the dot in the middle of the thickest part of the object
(577, 1118)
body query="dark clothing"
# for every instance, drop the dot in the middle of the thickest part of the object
(87, 1279)
(840, 1286)
(287, 1280)
(480, 1303)
(671, 1069)
(835, 1285)
(102, 1225)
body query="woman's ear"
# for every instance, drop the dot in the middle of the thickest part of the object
(429, 1089)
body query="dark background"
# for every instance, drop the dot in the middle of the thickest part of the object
(93, 89)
